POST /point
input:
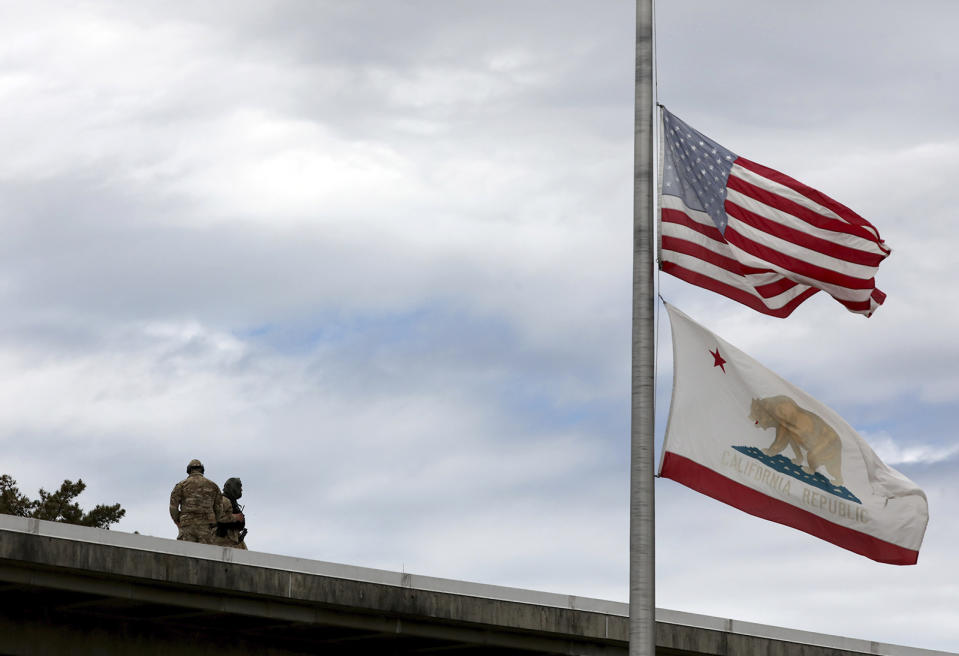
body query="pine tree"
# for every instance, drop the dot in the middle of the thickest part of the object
(56, 506)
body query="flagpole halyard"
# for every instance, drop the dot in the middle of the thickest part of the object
(642, 571)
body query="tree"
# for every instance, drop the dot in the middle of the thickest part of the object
(11, 501)
(56, 506)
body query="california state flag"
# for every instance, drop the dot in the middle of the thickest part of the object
(741, 434)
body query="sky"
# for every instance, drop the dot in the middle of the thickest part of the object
(375, 259)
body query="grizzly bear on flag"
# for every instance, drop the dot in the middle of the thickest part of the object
(803, 431)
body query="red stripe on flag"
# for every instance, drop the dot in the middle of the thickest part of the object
(692, 249)
(803, 238)
(735, 293)
(706, 481)
(775, 288)
(681, 218)
(795, 209)
(794, 264)
(679, 245)
(861, 307)
(817, 196)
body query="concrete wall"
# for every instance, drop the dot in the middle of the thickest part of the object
(67, 589)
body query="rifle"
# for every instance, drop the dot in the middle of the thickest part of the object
(223, 527)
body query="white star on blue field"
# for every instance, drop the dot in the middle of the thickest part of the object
(707, 166)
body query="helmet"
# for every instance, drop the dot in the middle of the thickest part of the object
(194, 464)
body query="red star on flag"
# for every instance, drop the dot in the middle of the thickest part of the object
(718, 359)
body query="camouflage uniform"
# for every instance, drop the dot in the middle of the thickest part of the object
(232, 537)
(195, 506)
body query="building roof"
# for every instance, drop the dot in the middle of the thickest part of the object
(80, 583)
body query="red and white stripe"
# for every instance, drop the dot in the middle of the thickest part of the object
(784, 242)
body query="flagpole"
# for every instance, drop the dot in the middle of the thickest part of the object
(642, 543)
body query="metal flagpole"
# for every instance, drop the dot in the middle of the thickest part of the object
(642, 543)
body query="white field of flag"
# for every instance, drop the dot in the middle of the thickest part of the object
(741, 434)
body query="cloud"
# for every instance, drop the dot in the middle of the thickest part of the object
(377, 263)
(894, 454)
(716, 560)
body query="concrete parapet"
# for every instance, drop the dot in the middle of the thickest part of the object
(102, 591)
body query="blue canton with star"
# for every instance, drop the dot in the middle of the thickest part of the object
(695, 168)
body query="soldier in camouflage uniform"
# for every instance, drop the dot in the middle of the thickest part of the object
(231, 534)
(195, 506)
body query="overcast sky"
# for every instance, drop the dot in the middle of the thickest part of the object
(374, 258)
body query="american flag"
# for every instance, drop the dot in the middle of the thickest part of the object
(757, 236)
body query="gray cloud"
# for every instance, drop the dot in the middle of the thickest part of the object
(374, 258)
